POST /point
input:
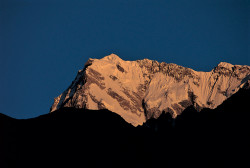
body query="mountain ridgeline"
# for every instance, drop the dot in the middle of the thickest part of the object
(144, 89)
(97, 138)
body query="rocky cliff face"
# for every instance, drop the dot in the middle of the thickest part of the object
(143, 89)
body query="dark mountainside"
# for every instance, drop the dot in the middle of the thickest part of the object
(86, 138)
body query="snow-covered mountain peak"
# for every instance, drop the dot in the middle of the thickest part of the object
(225, 65)
(143, 89)
(112, 57)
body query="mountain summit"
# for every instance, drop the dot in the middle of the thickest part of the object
(144, 89)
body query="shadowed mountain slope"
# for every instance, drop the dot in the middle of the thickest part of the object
(87, 138)
(218, 137)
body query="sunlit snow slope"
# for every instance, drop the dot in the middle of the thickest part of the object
(142, 89)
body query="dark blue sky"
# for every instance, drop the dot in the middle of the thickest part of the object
(43, 43)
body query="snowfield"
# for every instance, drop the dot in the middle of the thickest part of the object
(142, 89)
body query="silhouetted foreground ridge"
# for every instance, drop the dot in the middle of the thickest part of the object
(85, 138)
